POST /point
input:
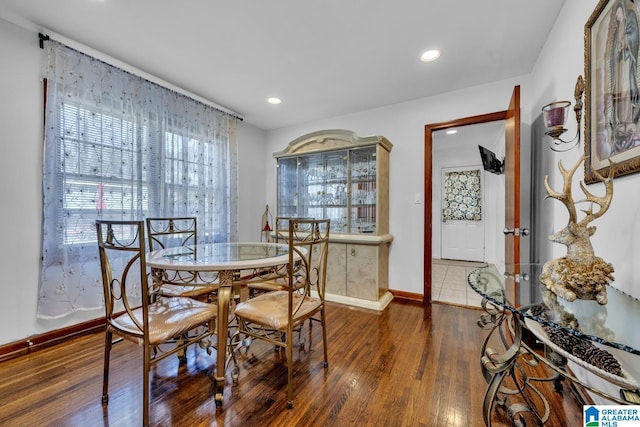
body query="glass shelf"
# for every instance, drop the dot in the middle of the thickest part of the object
(339, 185)
(338, 175)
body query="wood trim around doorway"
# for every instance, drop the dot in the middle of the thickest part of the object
(428, 191)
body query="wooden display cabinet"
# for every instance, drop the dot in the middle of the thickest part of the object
(338, 175)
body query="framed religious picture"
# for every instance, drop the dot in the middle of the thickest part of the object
(612, 98)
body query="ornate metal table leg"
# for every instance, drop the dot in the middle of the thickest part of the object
(224, 297)
(497, 366)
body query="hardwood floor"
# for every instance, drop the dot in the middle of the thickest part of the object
(406, 366)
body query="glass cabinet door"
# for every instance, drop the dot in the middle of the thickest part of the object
(315, 186)
(288, 187)
(336, 200)
(339, 185)
(311, 176)
(362, 214)
(322, 187)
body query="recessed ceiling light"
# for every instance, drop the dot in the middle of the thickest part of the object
(430, 55)
(274, 101)
(452, 132)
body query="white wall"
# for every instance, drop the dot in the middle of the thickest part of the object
(21, 117)
(251, 171)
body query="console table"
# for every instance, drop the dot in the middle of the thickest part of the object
(581, 331)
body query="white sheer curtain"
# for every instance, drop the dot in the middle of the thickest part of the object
(120, 147)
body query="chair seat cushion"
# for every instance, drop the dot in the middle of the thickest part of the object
(168, 318)
(271, 309)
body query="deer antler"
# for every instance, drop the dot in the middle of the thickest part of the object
(603, 202)
(565, 197)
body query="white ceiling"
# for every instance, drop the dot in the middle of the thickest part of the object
(322, 58)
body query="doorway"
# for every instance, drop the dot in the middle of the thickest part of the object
(468, 208)
(512, 189)
(431, 132)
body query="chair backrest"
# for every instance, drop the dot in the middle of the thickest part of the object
(281, 227)
(121, 247)
(171, 232)
(308, 241)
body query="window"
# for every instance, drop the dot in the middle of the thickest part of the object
(97, 152)
(120, 147)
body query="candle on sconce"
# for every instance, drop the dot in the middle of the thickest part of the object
(555, 114)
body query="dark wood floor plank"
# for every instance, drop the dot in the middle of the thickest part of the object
(406, 366)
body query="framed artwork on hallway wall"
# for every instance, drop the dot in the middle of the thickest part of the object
(612, 94)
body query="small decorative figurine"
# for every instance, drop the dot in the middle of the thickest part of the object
(265, 228)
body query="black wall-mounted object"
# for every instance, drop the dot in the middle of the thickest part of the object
(490, 162)
(43, 38)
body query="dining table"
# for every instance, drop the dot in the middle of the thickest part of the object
(228, 264)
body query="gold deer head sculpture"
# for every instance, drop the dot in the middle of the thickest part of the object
(580, 274)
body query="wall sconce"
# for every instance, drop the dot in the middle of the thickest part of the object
(555, 117)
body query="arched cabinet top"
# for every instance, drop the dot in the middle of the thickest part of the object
(332, 139)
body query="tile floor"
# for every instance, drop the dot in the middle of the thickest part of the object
(449, 282)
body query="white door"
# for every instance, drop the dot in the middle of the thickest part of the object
(462, 216)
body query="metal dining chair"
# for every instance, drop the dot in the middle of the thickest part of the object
(134, 315)
(274, 316)
(274, 280)
(170, 232)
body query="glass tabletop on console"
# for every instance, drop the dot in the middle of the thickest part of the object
(615, 324)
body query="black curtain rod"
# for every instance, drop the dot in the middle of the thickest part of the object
(43, 38)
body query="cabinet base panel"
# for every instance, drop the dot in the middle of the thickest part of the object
(379, 305)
